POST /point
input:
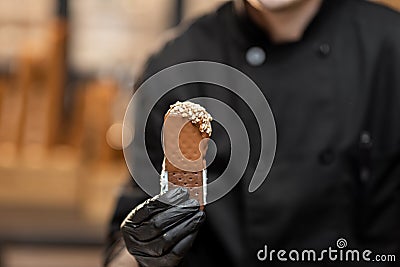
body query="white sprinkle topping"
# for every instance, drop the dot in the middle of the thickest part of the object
(195, 113)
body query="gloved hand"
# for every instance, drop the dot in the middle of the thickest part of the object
(160, 231)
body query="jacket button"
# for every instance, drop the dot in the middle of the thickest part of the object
(365, 140)
(255, 56)
(327, 157)
(324, 49)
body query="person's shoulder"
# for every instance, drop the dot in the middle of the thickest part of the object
(209, 25)
(378, 24)
(375, 12)
(194, 40)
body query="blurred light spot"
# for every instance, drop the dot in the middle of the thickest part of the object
(114, 136)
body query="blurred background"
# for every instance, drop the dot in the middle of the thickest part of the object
(66, 74)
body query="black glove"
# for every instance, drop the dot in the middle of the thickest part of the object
(160, 231)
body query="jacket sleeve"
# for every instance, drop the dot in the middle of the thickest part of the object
(130, 196)
(384, 110)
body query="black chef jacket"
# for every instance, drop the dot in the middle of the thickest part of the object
(335, 96)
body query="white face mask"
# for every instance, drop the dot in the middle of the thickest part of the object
(277, 4)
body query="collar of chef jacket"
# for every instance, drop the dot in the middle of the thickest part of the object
(247, 33)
